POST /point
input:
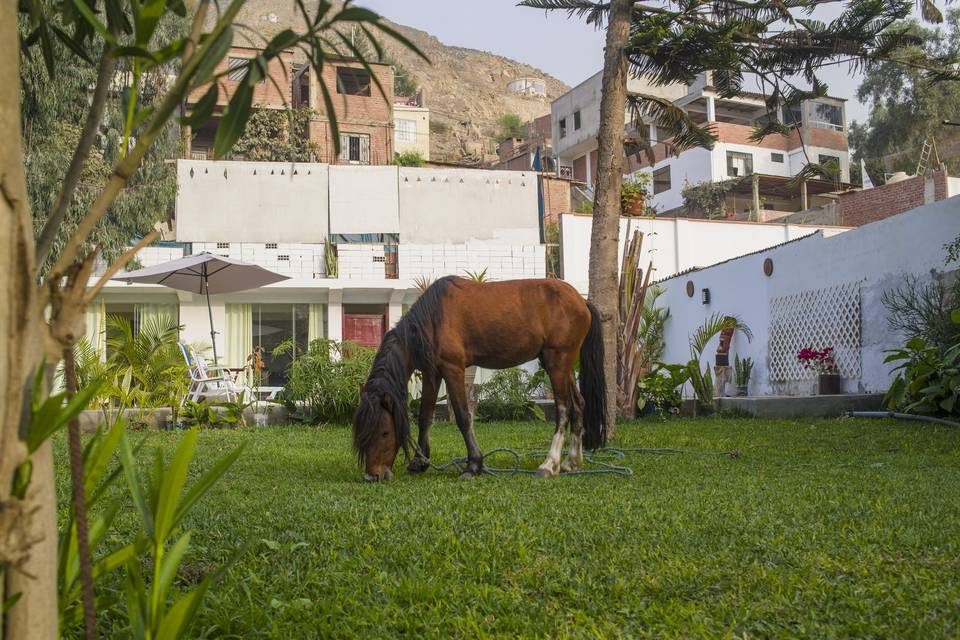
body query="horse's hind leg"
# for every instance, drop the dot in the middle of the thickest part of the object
(575, 456)
(558, 367)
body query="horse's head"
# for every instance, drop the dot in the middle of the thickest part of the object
(380, 428)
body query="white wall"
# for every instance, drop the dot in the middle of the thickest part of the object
(364, 199)
(453, 206)
(251, 201)
(690, 167)
(878, 255)
(502, 261)
(297, 260)
(421, 117)
(675, 244)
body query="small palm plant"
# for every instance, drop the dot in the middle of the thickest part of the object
(477, 276)
(701, 380)
(741, 374)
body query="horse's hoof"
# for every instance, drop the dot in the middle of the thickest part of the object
(544, 473)
(418, 466)
(567, 467)
(468, 475)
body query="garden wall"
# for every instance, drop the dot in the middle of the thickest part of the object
(823, 291)
(676, 244)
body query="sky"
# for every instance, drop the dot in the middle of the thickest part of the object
(567, 49)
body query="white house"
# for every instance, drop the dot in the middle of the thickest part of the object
(764, 190)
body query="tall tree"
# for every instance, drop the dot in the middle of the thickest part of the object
(906, 108)
(777, 44)
(41, 314)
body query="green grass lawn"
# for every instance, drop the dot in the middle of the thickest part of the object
(821, 528)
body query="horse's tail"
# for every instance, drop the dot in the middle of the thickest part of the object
(593, 384)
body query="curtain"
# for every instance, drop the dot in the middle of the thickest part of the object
(239, 334)
(153, 312)
(315, 323)
(95, 317)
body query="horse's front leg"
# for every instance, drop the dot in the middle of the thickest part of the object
(457, 395)
(428, 406)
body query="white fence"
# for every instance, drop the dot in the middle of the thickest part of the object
(822, 292)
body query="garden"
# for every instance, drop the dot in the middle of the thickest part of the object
(817, 528)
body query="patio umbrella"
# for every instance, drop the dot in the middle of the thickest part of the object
(205, 273)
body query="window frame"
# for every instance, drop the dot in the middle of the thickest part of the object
(346, 147)
(778, 157)
(656, 178)
(739, 155)
(360, 90)
(576, 120)
(562, 127)
(406, 133)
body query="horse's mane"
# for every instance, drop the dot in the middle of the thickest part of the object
(411, 338)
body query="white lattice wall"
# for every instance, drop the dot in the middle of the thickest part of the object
(817, 318)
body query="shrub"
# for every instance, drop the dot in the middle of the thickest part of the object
(921, 310)
(510, 125)
(409, 159)
(324, 382)
(660, 389)
(928, 378)
(507, 396)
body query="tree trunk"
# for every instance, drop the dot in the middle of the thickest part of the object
(604, 283)
(28, 534)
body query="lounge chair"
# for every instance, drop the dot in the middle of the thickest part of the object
(208, 382)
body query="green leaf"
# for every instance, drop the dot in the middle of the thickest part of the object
(133, 484)
(234, 120)
(75, 46)
(178, 619)
(206, 481)
(171, 487)
(84, 9)
(203, 109)
(12, 600)
(170, 565)
(279, 43)
(213, 56)
(955, 316)
(99, 459)
(53, 414)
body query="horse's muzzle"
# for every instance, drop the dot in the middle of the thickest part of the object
(385, 474)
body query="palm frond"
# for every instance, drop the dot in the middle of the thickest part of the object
(672, 120)
(591, 12)
(712, 327)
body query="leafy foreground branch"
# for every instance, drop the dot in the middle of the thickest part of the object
(40, 323)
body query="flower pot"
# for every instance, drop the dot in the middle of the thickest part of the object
(829, 384)
(742, 390)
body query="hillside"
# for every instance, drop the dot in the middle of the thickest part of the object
(465, 89)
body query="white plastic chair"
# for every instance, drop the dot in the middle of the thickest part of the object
(208, 382)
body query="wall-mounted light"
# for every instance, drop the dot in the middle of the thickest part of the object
(705, 295)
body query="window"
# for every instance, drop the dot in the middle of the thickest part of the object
(283, 257)
(661, 180)
(576, 120)
(355, 148)
(831, 163)
(792, 115)
(406, 131)
(237, 68)
(271, 245)
(353, 82)
(739, 164)
(223, 245)
(563, 127)
(776, 157)
(826, 116)
(272, 325)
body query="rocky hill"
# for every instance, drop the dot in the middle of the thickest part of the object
(465, 89)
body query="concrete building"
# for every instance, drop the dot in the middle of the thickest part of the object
(757, 173)
(411, 126)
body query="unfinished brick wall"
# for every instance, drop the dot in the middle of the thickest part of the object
(556, 198)
(265, 93)
(370, 115)
(858, 208)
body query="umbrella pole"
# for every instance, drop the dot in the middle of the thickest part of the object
(213, 334)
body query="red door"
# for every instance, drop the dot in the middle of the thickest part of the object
(364, 329)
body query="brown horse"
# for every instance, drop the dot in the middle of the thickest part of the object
(457, 323)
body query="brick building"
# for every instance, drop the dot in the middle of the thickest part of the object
(364, 116)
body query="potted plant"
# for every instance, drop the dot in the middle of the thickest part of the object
(822, 362)
(633, 196)
(741, 374)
